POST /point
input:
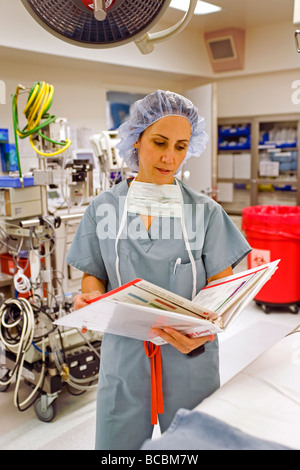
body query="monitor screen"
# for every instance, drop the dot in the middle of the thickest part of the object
(84, 155)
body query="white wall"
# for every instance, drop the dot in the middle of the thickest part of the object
(258, 94)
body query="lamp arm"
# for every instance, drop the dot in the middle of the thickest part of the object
(297, 33)
(146, 42)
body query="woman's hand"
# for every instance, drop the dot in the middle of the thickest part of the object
(91, 287)
(183, 343)
(81, 299)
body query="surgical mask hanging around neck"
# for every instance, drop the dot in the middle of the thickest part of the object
(174, 201)
(151, 199)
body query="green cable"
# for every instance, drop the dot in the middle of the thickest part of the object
(50, 140)
(16, 139)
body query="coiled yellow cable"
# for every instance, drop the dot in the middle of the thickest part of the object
(36, 112)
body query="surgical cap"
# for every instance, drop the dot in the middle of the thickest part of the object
(150, 109)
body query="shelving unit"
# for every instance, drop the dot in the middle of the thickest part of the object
(234, 163)
(276, 168)
(258, 162)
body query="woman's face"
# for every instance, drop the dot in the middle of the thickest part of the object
(162, 148)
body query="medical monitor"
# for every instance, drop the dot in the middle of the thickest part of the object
(84, 154)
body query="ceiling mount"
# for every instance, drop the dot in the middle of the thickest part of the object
(100, 8)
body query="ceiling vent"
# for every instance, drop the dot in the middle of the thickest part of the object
(226, 49)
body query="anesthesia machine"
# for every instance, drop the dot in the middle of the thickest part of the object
(39, 213)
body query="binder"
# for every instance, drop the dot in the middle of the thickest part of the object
(133, 309)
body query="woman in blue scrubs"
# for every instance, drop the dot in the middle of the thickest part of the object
(157, 228)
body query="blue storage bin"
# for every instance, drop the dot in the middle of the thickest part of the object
(286, 157)
(287, 187)
(264, 138)
(288, 166)
(234, 145)
(238, 130)
(277, 144)
(288, 161)
(285, 145)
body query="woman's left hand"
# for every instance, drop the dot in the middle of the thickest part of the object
(183, 343)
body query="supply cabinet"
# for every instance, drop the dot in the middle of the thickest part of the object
(276, 175)
(234, 164)
(258, 162)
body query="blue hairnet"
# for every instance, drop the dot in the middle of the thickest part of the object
(150, 109)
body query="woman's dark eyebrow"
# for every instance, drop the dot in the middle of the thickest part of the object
(166, 138)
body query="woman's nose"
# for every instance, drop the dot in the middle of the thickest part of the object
(168, 155)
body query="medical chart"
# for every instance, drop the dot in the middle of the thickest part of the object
(219, 295)
(135, 308)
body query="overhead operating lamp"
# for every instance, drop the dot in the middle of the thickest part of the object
(106, 23)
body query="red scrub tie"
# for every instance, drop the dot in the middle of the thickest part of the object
(157, 403)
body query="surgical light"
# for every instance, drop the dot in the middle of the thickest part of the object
(106, 23)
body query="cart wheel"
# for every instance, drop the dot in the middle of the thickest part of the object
(294, 308)
(45, 415)
(265, 308)
(4, 387)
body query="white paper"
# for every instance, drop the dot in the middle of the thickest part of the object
(218, 295)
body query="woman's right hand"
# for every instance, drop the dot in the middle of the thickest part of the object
(81, 299)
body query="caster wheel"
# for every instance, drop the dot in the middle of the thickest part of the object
(45, 415)
(294, 308)
(265, 308)
(4, 387)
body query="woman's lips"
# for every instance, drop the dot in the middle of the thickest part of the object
(163, 171)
